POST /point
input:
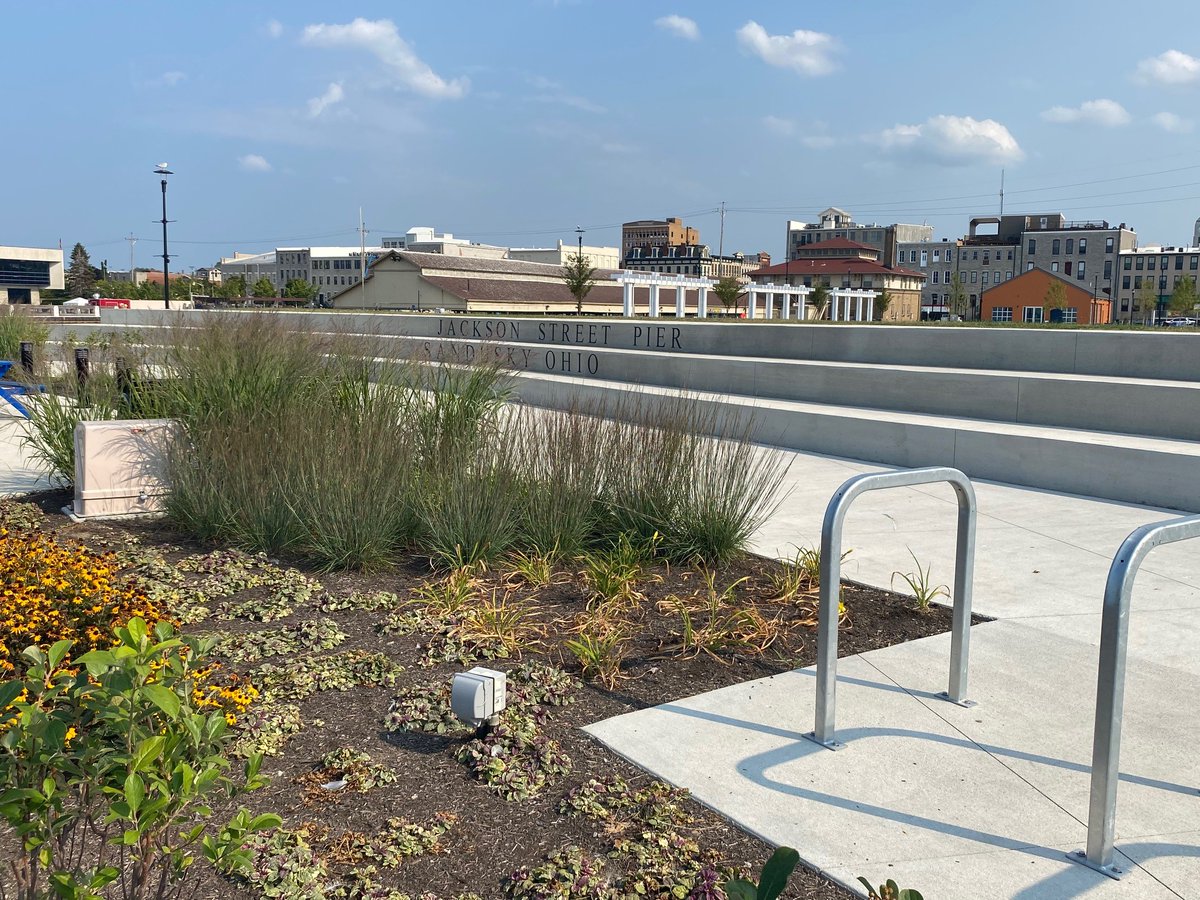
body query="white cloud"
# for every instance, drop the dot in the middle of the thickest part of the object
(953, 141)
(680, 26)
(274, 28)
(1171, 67)
(807, 52)
(252, 162)
(381, 38)
(170, 79)
(1108, 113)
(1169, 121)
(333, 94)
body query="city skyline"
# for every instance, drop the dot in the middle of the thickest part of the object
(514, 125)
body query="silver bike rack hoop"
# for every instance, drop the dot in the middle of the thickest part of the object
(1110, 687)
(831, 576)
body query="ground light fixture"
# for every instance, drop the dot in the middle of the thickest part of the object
(477, 697)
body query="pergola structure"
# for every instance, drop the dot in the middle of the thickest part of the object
(656, 281)
(840, 300)
(843, 297)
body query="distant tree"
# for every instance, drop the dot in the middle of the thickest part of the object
(264, 288)
(81, 277)
(1146, 297)
(579, 275)
(299, 287)
(117, 289)
(958, 296)
(1185, 297)
(1056, 296)
(882, 302)
(727, 290)
(235, 286)
(820, 299)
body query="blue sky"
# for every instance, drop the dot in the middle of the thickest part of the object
(512, 122)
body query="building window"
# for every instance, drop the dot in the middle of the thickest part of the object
(1108, 270)
(1192, 263)
(933, 298)
(1067, 267)
(947, 276)
(1178, 262)
(1002, 314)
(1079, 271)
(1124, 282)
(1028, 267)
(984, 278)
(1044, 221)
(935, 276)
(974, 277)
(1032, 246)
(1054, 266)
(1141, 263)
(924, 258)
(1150, 261)
(937, 256)
(1071, 246)
(1031, 314)
(1127, 263)
(1137, 282)
(1055, 247)
(1082, 246)
(1070, 315)
(1108, 245)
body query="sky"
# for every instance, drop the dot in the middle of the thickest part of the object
(516, 122)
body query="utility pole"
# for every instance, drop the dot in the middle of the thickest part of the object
(162, 170)
(362, 257)
(721, 243)
(132, 240)
(1001, 193)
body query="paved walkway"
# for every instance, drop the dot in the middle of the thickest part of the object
(17, 473)
(963, 803)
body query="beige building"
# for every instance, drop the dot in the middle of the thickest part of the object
(1160, 267)
(600, 257)
(838, 224)
(842, 263)
(27, 271)
(644, 235)
(699, 262)
(400, 279)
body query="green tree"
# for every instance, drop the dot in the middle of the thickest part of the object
(579, 275)
(1056, 296)
(264, 288)
(727, 290)
(1146, 297)
(234, 286)
(299, 287)
(882, 302)
(117, 289)
(958, 296)
(81, 277)
(1185, 297)
(820, 299)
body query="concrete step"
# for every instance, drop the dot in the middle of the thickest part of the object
(1128, 468)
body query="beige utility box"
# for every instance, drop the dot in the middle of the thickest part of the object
(121, 466)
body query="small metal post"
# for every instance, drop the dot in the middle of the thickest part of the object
(1110, 687)
(27, 357)
(831, 576)
(83, 368)
(124, 381)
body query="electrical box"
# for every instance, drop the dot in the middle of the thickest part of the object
(121, 466)
(478, 695)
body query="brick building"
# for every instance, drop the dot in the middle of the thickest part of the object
(1027, 298)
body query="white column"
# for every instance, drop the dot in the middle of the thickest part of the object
(787, 305)
(702, 303)
(680, 300)
(654, 300)
(752, 302)
(627, 299)
(833, 297)
(802, 312)
(871, 308)
(859, 309)
(770, 304)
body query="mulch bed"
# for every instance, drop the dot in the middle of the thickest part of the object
(491, 837)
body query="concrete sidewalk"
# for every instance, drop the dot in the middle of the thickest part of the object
(963, 803)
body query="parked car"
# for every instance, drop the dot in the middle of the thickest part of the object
(1179, 322)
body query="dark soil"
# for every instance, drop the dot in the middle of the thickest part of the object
(493, 837)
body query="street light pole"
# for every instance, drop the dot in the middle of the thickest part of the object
(162, 170)
(579, 231)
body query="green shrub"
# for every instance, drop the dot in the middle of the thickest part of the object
(15, 328)
(111, 769)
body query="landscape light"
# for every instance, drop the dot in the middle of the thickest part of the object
(477, 696)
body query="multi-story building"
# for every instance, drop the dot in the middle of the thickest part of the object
(843, 263)
(837, 224)
(329, 269)
(1085, 252)
(426, 240)
(1160, 268)
(251, 267)
(27, 271)
(641, 237)
(697, 260)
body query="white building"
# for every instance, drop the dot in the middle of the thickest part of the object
(26, 271)
(426, 240)
(600, 257)
(250, 266)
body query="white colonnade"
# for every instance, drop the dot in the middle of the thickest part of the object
(656, 281)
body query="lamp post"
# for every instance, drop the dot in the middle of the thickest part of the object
(579, 231)
(161, 169)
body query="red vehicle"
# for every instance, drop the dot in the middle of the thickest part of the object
(111, 302)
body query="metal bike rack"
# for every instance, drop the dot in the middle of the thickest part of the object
(1110, 686)
(831, 576)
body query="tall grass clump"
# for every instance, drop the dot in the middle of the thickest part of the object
(15, 328)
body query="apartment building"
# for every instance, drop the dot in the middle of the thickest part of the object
(1162, 268)
(27, 271)
(697, 260)
(838, 224)
(642, 237)
(329, 269)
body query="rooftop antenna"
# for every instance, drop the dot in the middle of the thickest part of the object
(362, 257)
(132, 240)
(1001, 193)
(721, 244)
